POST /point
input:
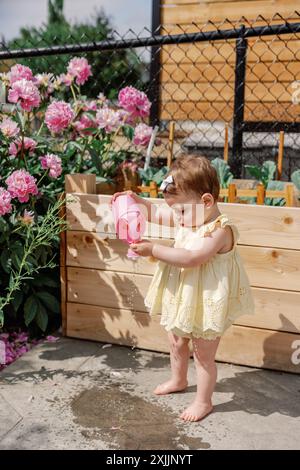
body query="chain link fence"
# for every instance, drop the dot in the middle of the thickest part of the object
(242, 78)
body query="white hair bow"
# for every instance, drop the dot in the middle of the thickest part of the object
(166, 182)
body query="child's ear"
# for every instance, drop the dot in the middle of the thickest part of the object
(208, 200)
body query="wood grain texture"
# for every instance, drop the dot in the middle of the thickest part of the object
(239, 345)
(218, 11)
(274, 309)
(258, 225)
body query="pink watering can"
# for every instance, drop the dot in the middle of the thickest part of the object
(129, 221)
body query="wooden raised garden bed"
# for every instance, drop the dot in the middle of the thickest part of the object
(103, 291)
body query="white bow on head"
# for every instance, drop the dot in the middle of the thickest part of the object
(166, 182)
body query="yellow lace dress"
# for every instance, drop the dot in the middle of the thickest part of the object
(202, 301)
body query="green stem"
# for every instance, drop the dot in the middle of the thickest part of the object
(45, 173)
(41, 127)
(73, 92)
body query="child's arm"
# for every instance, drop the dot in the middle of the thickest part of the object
(154, 214)
(183, 258)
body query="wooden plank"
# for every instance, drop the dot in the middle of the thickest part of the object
(260, 348)
(90, 250)
(116, 326)
(224, 52)
(107, 288)
(263, 72)
(92, 213)
(80, 183)
(62, 270)
(275, 309)
(218, 11)
(208, 111)
(272, 267)
(266, 267)
(239, 345)
(176, 3)
(220, 92)
(260, 226)
(226, 23)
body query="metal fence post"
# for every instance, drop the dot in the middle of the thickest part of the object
(236, 159)
(154, 67)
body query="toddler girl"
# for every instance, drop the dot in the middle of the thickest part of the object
(199, 286)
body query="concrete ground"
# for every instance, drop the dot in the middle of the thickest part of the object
(76, 394)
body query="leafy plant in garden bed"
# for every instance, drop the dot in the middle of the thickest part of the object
(43, 138)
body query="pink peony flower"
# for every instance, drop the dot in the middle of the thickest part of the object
(9, 128)
(18, 72)
(134, 101)
(21, 184)
(90, 105)
(52, 339)
(25, 92)
(53, 163)
(84, 123)
(65, 79)
(13, 346)
(16, 146)
(80, 69)
(58, 116)
(44, 81)
(5, 199)
(108, 119)
(102, 100)
(142, 134)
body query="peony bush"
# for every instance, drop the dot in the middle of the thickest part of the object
(43, 137)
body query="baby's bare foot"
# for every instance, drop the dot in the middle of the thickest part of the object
(196, 411)
(170, 387)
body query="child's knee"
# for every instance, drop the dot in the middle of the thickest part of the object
(178, 343)
(204, 359)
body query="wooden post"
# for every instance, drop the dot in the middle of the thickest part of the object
(289, 195)
(231, 192)
(171, 143)
(153, 189)
(280, 155)
(226, 144)
(63, 269)
(74, 183)
(260, 198)
(80, 183)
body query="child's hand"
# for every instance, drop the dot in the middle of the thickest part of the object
(142, 248)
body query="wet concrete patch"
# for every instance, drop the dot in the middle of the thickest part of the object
(127, 421)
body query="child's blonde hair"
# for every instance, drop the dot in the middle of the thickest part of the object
(193, 173)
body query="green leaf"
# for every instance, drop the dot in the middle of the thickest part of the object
(128, 132)
(254, 170)
(5, 261)
(42, 318)
(17, 300)
(44, 280)
(159, 175)
(275, 186)
(223, 170)
(31, 308)
(49, 301)
(296, 178)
